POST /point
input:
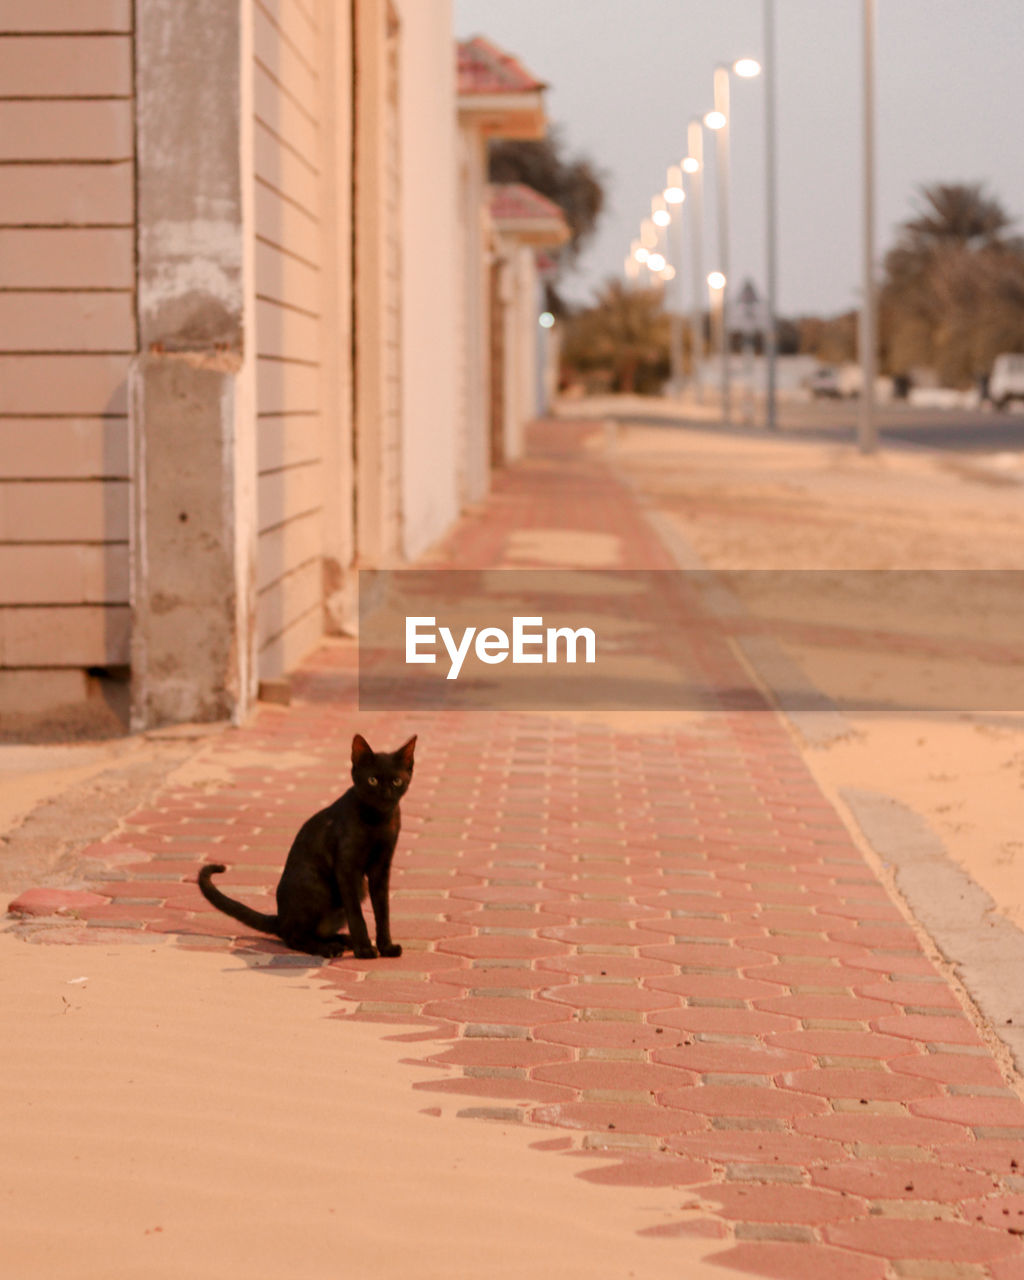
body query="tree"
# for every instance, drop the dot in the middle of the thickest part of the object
(953, 291)
(575, 185)
(625, 336)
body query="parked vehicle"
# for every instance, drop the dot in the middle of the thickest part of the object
(823, 383)
(832, 382)
(1006, 381)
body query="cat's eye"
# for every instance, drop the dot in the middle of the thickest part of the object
(372, 781)
(396, 782)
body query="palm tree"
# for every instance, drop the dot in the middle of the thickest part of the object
(953, 288)
(626, 333)
(961, 213)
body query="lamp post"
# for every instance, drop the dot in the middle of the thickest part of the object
(867, 429)
(693, 167)
(770, 231)
(718, 120)
(716, 292)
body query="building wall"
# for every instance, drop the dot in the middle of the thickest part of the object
(67, 336)
(431, 329)
(290, 88)
(378, 280)
(188, 234)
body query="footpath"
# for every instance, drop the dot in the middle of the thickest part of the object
(649, 936)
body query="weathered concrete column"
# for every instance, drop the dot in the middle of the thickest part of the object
(192, 405)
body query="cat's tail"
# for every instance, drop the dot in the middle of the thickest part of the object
(236, 910)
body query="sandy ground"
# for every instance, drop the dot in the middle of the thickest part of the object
(941, 727)
(170, 1113)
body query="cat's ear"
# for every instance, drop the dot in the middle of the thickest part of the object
(404, 754)
(361, 749)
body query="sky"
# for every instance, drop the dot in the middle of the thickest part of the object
(625, 76)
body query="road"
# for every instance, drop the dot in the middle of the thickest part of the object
(969, 431)
(962, 430)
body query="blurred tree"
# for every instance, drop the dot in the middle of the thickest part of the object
(623, 339)
(833, 339)
(575, 185)
(952, 296)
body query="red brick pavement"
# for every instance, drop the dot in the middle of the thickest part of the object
(660, 943)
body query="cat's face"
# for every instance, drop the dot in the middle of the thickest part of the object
(381, 778)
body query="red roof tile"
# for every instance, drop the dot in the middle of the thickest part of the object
(484, 68)
(511, 201)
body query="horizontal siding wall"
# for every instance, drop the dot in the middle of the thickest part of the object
(67, 331)
(288, 95)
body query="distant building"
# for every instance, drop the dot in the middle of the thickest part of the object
(523, 222)
(244, 329)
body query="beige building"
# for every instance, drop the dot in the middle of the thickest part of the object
(523, 222)
(243, 330)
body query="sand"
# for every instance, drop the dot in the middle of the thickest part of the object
(746, 503)
(172, 1113)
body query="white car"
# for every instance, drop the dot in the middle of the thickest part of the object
(1006, 381)
(823, 383)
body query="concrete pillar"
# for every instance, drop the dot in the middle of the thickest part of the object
(192, 405)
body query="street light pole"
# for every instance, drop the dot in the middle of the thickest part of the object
(674, 195)
(721, 99)
(770, 228)
(867, 429)
(693, 166)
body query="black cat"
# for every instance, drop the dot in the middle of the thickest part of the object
(337, 853)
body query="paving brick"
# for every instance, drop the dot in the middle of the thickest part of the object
(917, 1269)
(745, 1022)
(521, 1091)
(949, 1030)
(893, 1130)
(642, 1077)
(918, 994)
(906, 1179)
(703, 1057)
(740, 1100)
(54, 902)
(950, 1068)
(942, 1241)
(1003, 1158)
(845, 1044)
(783, 1261)
(727, 986)
(612, 996)
(990, 1112)
(841, 1008)
(653, 1171)
(853, 1084)
(494, 946)
(1004, 1212)
(632, 967)
(780, 1203)
(618, 1118)
(517, 1011)
(600, 1035)
(1008, 1268)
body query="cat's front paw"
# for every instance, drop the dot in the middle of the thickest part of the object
(393, 950)
(365, 953)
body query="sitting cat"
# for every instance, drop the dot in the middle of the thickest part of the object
(336, 854)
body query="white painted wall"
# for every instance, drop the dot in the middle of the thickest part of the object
(431, 267)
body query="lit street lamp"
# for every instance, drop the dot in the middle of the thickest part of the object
(693, 167)
(718, 121)
(673, 196)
